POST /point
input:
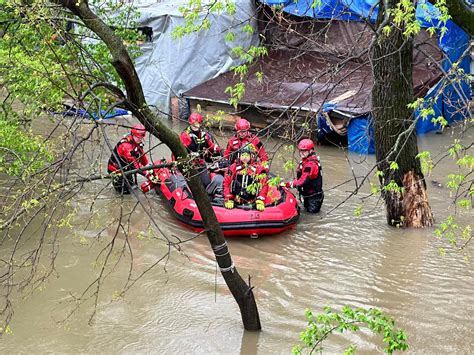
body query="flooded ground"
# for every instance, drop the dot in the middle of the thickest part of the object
(183, 305)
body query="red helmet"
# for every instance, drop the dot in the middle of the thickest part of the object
(195, 117)
(306, 144)
(242, 124)
(138, 130)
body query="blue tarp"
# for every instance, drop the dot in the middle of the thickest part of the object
(360, 135)
(323, 126)
(103, 114)
(447, 97)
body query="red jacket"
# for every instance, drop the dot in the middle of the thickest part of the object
(239, 177)
(309, 178)
(128, 155)
(235, 143)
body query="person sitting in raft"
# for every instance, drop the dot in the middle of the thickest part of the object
(246, 181)
(309, 178)
(202, 146)
(128, 155)
(241, 139)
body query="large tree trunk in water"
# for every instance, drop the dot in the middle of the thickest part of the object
(395, 136)
(135, 101)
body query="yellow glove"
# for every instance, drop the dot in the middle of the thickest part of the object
(260, 205)
(229, 204)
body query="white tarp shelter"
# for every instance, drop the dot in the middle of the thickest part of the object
(171, 66)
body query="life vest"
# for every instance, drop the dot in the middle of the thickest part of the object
(244, 177)
(315, 184)
(198, 143)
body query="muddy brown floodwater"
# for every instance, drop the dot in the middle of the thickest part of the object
(332, 259)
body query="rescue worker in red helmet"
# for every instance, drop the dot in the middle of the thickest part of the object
(309, 178)
(241, 139)
(246, 181)
(128, 155)
(198, 140)
(201, 144)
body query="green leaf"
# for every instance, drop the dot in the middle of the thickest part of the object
(393, 165)
(229, 36)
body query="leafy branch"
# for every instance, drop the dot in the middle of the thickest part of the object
(322, 325)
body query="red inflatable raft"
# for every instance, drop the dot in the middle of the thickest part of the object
(281, 211)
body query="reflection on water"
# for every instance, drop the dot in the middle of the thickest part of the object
(184, 306)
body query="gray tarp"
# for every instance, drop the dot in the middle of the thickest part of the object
(169, 67)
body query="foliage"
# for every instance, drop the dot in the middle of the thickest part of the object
(456, 235)
(194, 22)
(404, 16)
(426, 162)
(192, 16)
(237, 91)
(122, 18)
(215, 118)
(30, 59)
(462, 191)
(21, 153)
(44, 61)
(274, 181)
(358, 211)
(322, 325)
(255, 187)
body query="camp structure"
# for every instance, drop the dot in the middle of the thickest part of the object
(318, 70)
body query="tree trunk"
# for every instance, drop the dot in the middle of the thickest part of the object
(242, 292)
(395, 136)
(136, 103)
